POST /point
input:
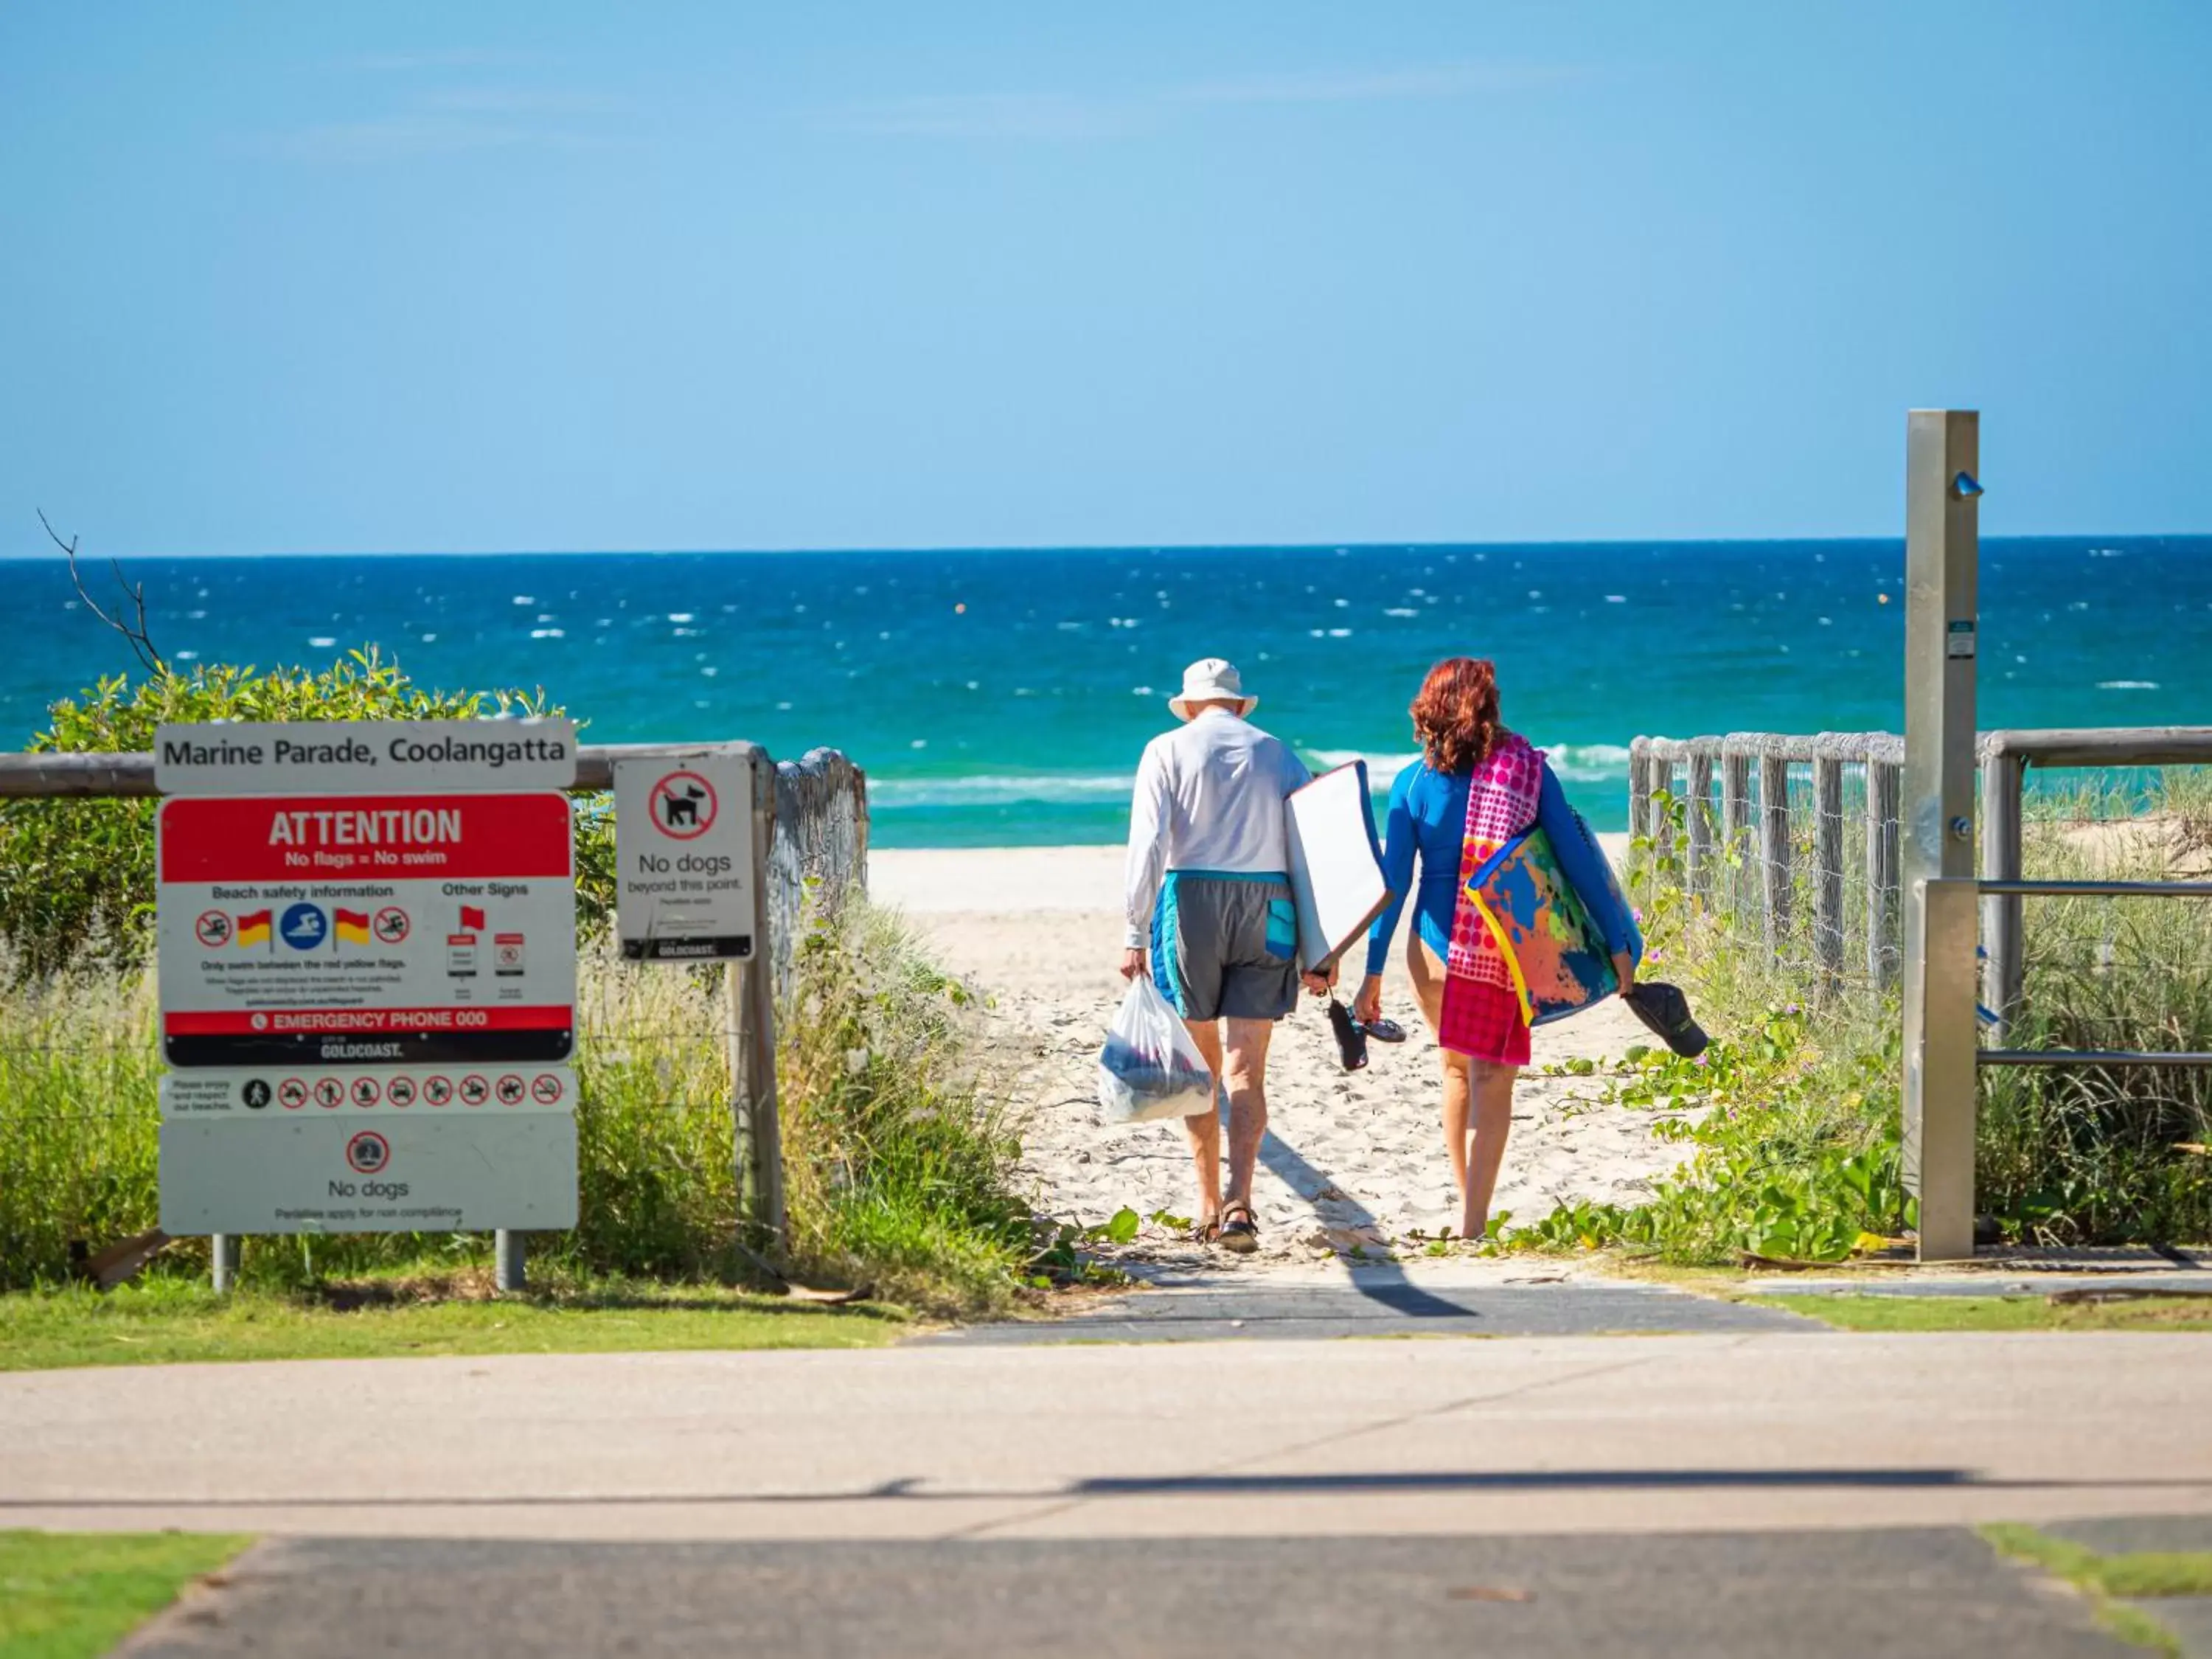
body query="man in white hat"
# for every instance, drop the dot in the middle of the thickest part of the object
(1208, 895)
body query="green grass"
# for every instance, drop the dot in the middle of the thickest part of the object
(168, 1322)
(74, 1595)
(1995, 1313)
(2109, 1579)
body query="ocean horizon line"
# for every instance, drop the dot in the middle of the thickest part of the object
(1106, 549)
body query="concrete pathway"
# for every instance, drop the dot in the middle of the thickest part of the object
(1504, 1438)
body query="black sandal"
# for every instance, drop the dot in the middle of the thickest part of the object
(1240, 1229)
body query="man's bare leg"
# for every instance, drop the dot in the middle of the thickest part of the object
(1248, 1101)
(1204, 1129)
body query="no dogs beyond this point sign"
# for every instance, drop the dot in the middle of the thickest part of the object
(683, 857)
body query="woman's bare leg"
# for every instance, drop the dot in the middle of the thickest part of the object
(1493, 1122)
(1428, 976)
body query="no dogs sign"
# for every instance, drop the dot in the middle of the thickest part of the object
(683, 856)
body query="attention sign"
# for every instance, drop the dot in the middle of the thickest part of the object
(683, 857)
(336, 930)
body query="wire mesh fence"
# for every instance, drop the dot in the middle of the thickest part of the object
(1788, 846)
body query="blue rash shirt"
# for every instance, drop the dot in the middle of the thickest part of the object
(1428, 815)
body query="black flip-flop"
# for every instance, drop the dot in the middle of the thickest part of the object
(1384, 1030)
(1351, 1038)
(1242, 1234)
(1666, 1011)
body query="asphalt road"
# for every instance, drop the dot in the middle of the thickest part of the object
(1735, 1595)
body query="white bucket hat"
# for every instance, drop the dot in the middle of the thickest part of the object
(1210, 679)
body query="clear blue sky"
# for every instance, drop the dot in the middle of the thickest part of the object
(564, 276)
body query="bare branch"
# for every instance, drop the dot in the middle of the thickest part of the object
(136, 634)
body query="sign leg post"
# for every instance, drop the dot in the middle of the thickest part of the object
(750, 988)
(223, 1250)
(510, 1271)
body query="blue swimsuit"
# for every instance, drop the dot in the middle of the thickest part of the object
(1428, 813)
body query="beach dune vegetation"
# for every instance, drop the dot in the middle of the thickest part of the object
(1795, 1112)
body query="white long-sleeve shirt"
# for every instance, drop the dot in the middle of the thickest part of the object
(1209, 796)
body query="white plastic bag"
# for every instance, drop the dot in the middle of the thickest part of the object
(1150, 1068)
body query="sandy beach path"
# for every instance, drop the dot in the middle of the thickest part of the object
(1350, 1160)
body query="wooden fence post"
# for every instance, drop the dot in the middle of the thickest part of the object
(1774, 846)
(1701, 819)
(1828, 861)
(1639, 786)
(1885, 792)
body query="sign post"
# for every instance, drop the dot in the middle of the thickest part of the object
(365, 934)
(1942, 552)
(692, 833)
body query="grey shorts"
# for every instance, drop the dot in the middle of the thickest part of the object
(1227, 946)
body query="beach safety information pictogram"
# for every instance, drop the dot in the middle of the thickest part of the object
(350, 930)
(684, 854)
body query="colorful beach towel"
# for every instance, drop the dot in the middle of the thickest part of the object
(1501, 808)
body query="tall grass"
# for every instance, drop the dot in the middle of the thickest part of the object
(898, 1153)
(2097, 1155)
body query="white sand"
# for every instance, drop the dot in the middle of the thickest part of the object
(1350, 1160)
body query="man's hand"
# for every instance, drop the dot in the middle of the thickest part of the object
(1367, 1001)
(1322, 983)
(1624, 966)
(1133, 964)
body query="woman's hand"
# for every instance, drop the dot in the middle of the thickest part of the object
(1624, 966)
(1367, 1001)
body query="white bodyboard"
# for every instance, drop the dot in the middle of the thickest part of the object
(1336, 868)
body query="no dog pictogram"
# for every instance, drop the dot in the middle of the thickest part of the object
(683, 805)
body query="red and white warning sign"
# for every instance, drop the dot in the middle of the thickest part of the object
(683, 856)
(360, 925)
(351, 930)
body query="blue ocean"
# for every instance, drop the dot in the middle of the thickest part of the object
(1001, 697)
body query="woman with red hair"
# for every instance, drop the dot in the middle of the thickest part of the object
(1476, 788)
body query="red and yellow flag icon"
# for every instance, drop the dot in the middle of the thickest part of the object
(353, 926)
(253, 927)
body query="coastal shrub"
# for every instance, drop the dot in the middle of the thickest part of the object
(77, 876)
(1795, 1110)
(896, 1144)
